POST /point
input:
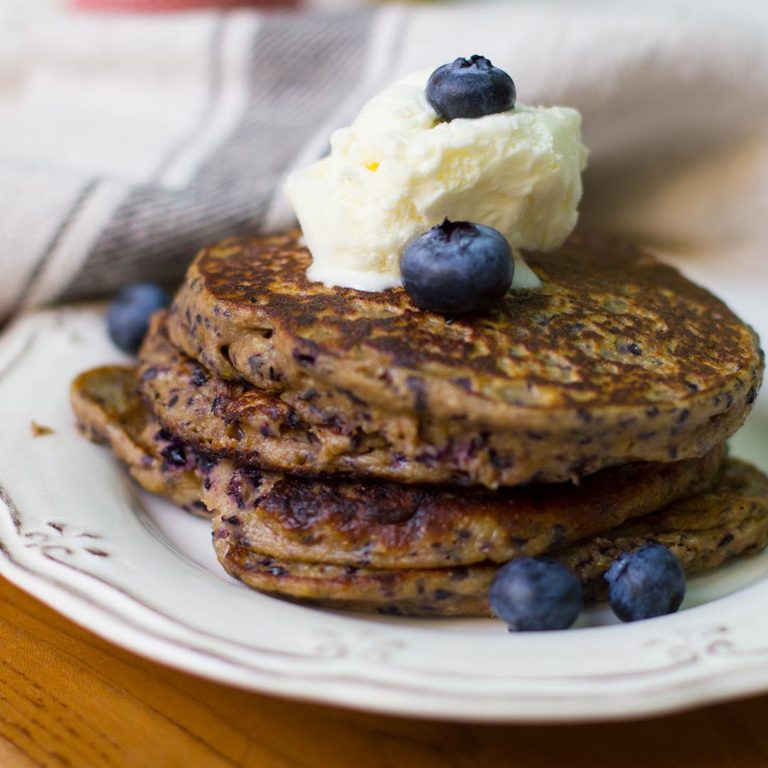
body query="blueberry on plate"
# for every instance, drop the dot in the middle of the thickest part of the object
(470, 87)
(535, 593)
(129, 312)
(645, 583)
(457, 267)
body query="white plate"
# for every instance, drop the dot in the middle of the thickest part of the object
(76, 533)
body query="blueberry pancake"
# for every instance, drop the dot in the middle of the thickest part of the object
(278, 533)
(617, 358)
(386, 525)
(109, 412)
(233, 418)
(391, 526)
(703, 532)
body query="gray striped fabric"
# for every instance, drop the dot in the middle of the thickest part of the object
(127, 143)
(297, 68)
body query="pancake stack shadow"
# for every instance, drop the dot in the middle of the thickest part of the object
(356, 452)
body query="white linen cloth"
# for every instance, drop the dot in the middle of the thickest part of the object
(128, 142)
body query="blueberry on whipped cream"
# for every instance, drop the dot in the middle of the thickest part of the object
(470, 88)
(457, 267)
(535, 593)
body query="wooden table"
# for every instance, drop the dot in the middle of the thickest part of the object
(68, 698)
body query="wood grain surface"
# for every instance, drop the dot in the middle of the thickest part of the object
(68, 698)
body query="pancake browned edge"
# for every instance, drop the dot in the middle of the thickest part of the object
(617, 358)
(109, 412)
(262, 520)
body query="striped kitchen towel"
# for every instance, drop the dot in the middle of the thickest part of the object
(128, 142)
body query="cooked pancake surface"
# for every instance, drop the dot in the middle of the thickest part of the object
(611, 327)
(232, 418)
(617, 358)
(385, 525)
(703, 532)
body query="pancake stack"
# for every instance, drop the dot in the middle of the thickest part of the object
(355, 451)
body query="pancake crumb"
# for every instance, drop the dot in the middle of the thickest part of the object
(41, 430)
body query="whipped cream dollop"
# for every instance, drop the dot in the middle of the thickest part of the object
(399, 170)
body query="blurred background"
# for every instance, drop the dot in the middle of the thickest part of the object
(749, 10)
(133, 132)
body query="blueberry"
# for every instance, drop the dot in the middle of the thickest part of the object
(457, 267)
(645, 583)
(535, 593)
(129, 312)
(470, 87)
(175, 454)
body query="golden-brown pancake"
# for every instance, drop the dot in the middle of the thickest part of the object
(616, 358)
(703, 532)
